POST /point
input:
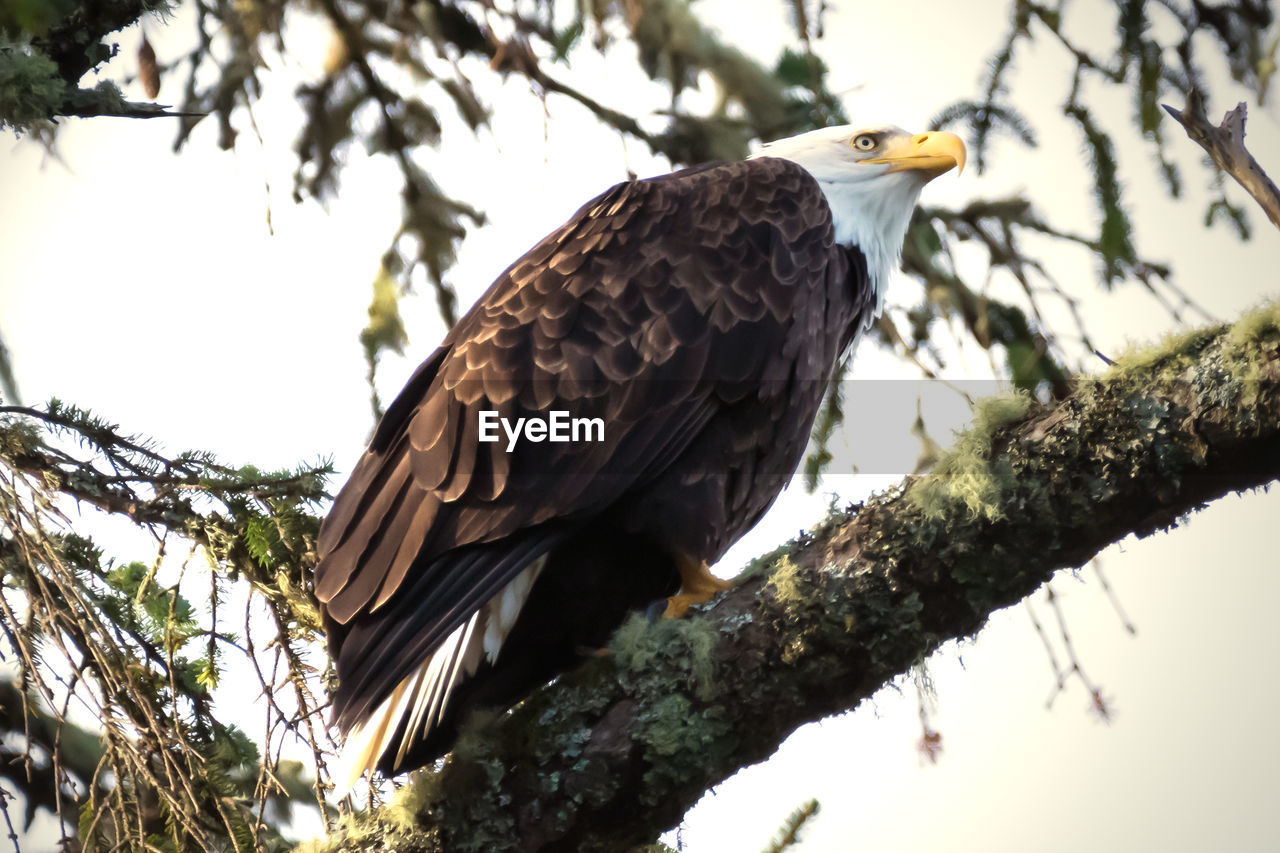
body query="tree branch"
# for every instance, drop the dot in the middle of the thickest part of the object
(616, 751)
(1225, 144)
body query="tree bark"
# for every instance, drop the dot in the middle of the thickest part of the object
(615, 752)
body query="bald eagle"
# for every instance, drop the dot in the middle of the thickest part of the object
(697, 317)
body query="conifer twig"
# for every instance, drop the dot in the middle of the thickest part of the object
(789, 835)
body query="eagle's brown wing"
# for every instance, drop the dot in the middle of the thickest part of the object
(654, 307)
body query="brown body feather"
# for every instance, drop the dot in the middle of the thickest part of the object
(700, 315)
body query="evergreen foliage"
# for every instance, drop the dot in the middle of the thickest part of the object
(125, 649)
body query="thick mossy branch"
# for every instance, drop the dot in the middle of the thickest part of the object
(616, 751)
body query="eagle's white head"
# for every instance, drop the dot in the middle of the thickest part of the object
(872, 177)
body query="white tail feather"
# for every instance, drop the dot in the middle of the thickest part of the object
(422, 697)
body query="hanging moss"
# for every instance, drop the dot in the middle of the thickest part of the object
(30, 88)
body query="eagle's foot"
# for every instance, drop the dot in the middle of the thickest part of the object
(697, 585)
(678, 605)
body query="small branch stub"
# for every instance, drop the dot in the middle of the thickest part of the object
(1225, 144)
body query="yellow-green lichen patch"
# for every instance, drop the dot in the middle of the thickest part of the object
(795, 598)
(784, 580)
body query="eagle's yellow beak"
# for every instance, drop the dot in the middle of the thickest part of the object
(931, 153)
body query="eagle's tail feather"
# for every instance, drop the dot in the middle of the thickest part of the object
(420, 700)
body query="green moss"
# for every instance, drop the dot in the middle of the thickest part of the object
(1174, 352)
(103, 99)
(1256, 326)
(1182, 350)
(639, 646)
(108, 94)
(965, 476)
(699, 638)
(351, 831)
(1244, 342)
(628, 642)
(412, 801)
(30, 88)
(992, 413)
(836, 516)
(405, 823)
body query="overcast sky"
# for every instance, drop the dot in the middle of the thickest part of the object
(146, 287)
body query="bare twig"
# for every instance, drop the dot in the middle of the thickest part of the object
(1225, 145)
(1096, 564)
(1095, 692)
(930, 744)
(5, 796)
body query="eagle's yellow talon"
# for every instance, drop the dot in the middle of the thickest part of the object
(697, 585)
(677, 606)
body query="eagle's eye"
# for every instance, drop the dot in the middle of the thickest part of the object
(864, 141)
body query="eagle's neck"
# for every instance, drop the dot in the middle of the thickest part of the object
(873, 216)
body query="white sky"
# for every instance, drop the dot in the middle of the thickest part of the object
(145, 286)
